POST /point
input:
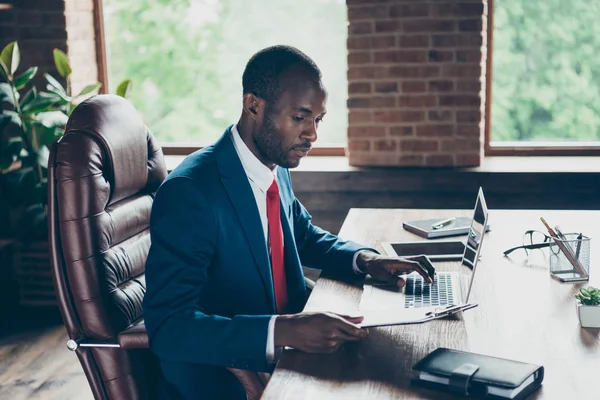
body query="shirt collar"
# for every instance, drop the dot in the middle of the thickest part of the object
(256, 171)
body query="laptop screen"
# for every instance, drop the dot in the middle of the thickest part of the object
(473, 245)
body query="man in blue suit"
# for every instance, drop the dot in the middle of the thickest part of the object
(225, 286)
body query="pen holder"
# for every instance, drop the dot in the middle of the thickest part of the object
(562, 265)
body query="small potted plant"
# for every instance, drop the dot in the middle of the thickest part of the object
(588, 307)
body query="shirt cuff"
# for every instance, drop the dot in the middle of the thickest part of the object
(271, 340)
(354, 266)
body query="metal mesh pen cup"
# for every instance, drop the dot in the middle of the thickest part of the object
(578, 248)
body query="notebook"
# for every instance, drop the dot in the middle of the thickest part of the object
(478, 375)
(424, 228)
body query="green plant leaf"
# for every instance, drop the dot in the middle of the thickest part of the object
(43, 155)
(29, 97)
(62, 63)
(52, 119)
(25, 77)
(65, 98)
(3, 70)
(124, 88)
(13, 117)
(52, 82)
(89, 89)
(10, 152)
(6, 94)
(11, 57)
(43, 102)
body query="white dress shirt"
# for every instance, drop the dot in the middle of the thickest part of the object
(261, 178)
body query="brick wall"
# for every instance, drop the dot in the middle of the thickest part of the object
(416, 82)
(39, 26)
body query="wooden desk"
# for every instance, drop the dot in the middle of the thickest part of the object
(523, 314)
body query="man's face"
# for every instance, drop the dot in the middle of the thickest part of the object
(289, 126)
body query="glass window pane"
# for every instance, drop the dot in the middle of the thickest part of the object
(186, 58)
(546, 71)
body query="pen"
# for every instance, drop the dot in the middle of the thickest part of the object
(442, 223)
(579, 239)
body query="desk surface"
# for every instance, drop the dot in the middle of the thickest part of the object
(523, 314)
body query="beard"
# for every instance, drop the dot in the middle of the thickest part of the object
(270, 143)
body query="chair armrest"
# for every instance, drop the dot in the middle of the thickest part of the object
(134, 337)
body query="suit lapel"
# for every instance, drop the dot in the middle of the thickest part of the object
(238, 189)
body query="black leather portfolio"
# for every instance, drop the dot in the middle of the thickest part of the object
(478, 375)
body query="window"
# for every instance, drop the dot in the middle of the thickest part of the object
(545, 80)
(186, 58)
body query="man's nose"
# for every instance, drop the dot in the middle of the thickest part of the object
(311, 133)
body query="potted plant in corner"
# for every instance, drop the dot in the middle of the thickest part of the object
(588, 307)
(30, 120)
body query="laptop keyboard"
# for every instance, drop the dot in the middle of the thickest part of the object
(420, 294)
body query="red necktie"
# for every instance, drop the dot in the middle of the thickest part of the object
(276, 247)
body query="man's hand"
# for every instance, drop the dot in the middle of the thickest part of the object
(387, 269)
(317, 332)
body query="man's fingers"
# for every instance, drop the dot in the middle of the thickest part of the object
(425, 262)
(351, 330)
(408, 265)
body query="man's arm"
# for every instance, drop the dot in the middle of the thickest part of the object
(183, 231)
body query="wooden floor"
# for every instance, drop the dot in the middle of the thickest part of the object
(34, 361)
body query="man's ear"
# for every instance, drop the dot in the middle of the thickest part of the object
(254, 106)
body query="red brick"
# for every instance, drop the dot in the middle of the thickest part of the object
(409, 10)
(460, 145)
(417, 101)
(359, 145)
(361, 57)
(463, 100)
(383, 101)
(440, 56)
(451, 9)
(435, 130)
(469, 56)
(429, 25)
(401, 56)
(356, 117)
(366, 131)
(385, 145)
(468, 116)
(403, 71)
(410, 159)
(461, 71)
(469, 40)
(398, 116)
(470, 25)
(468, 130)
(413, 41)
(360, 28)
(419, 145)
(382, 42)
(386, 87)
(359, 87)
(387, 26)
(366, 72)
(470, 86)
(440, 115)
(54, 19)
(468, 160)
(441, 86)
(406, 130)
(358, 42)
(30, 18)
(413, 86)
(440, 160)
(368, 12)
(358, 102)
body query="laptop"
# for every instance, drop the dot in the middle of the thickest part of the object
(448, 288)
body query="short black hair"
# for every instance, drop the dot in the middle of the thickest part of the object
(264, 69)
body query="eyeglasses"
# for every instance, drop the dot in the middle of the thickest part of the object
(532, 240)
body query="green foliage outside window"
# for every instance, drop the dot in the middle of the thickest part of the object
(187, 57)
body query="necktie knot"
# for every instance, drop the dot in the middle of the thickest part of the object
(273, 189)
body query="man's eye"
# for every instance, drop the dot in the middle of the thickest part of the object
(298, 119)
(319, 120)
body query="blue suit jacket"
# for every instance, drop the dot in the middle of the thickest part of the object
(209, 293)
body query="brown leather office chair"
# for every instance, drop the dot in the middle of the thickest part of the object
(101, 178)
